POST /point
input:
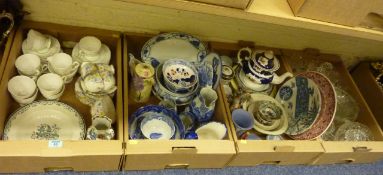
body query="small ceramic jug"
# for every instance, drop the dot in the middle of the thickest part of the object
(203, 105)
(101, 129)
(142, 80)
(6, 26)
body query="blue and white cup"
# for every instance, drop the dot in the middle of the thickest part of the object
(243, 121)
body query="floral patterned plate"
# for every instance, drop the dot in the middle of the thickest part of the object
(45, 120)
(328, 109)
(172, 45)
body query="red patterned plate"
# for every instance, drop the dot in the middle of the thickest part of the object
(328, 108)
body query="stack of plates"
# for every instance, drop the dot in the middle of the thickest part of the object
(310, 101)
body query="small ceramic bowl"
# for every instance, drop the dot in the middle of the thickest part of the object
(160, 90)
(179, 75)
(157, 127)
(211, 131)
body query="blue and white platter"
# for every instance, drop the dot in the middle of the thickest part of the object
(301, 98)
(172, 45)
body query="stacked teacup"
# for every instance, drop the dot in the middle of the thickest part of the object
(29, 65)
(90, 49)
(96, 81)
(41, 45)
(51, 86)
(63, 65)
(23, 89)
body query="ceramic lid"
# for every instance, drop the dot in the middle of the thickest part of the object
(266, 60)
(144, 70)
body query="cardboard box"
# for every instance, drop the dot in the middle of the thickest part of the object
(239, 4)
(371, 91)
(82, 155)
(345, 151)
(4, 52)
(161, 154)
(255, 152)
(344, 12)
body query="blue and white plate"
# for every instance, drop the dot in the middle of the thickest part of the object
(210, 71)
(301, 99)
(151, 110)
(172, 45)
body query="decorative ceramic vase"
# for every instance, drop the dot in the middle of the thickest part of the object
(142, 80)
(203, 105)
(101, 129)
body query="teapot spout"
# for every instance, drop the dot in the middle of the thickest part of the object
(279, 79)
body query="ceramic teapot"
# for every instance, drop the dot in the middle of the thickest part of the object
(260, 66)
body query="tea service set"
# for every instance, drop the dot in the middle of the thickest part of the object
(44, 68)
(176, 68)
(305, 107)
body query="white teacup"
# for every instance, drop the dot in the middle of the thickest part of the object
(26, 100)
(50, 84)
(37, 41)
(49, 96)
(62, 64)
(21, 87)
(89, 45)
(28, 64)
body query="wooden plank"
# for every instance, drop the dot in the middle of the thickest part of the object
(217, 24)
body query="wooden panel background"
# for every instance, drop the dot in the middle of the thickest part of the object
(210, 23)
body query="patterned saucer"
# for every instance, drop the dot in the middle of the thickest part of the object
(328, 109)
(301, 98)
(45, 120)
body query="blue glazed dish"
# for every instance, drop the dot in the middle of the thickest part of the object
(137, 117)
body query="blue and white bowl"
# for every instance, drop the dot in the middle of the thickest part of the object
(157, 127)
(140, 118)
(180, 76)
(160, 90)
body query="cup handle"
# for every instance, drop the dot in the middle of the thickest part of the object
(44, 67)
(65, 78)
(245, 49)
(75, 65)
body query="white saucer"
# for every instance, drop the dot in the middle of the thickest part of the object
(54, 48)
(103, 55)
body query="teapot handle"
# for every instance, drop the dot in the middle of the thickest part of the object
(10, 18)
(245, 49)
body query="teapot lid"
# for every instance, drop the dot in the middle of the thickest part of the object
(266, 61)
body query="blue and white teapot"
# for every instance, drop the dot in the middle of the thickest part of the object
(260, 66)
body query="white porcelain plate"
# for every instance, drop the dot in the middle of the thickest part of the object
(172, 45)
(301, 98)
(45, 120)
